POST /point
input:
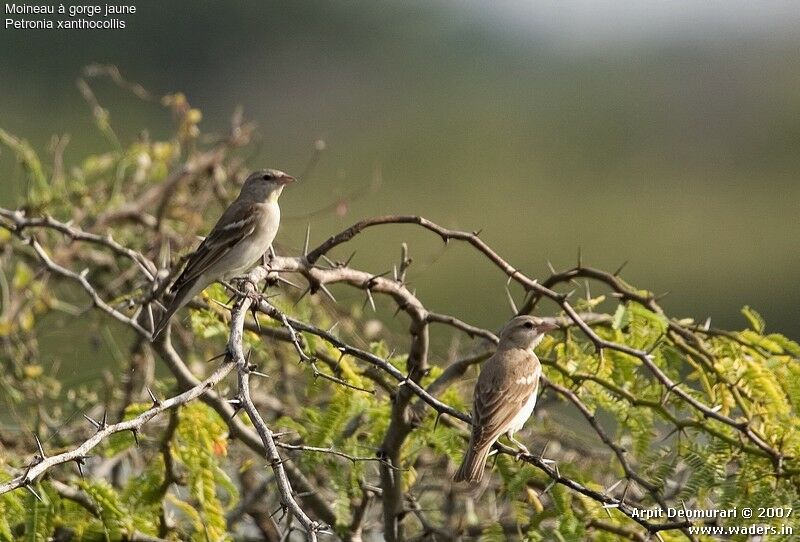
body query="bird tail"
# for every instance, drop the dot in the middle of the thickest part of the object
(182, 296)
(471, 469)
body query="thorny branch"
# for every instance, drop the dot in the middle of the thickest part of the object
(42, 462)
(237, 356)
(404, 414)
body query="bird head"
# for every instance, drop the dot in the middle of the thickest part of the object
(266, 184)
(525, 332)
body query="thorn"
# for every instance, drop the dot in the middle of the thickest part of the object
(95, 423)
(220, 303)
(308, 237)
(330, 262)
(327, 292)
(288, 282)
(254, 312)
(476, 233)
(350, 259)
(707, 324)
(33, 492)
(236, 403)
(620, 268)
(550, 266)
(397, 310)
(613, 486)
(625, 491)
(150, 318)
(218, 356)
(394, 272)
(80, 462)
(511, 301)
(135, 436)
(167, 255)
(371, 281)
(436, 421)
(104, 423)
(371, 300)
(302, 296)
(41, 449)
(580, 259)
(153, 398)
(333, 327)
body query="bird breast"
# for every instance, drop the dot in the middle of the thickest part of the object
(524, 413)
(248, 251)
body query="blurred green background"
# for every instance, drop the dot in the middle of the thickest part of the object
(667, 134)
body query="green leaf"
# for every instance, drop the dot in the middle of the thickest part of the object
(755, 320)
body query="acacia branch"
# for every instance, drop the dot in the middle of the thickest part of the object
(237, 356)
(532, 285)
(403, 417)
(43, 464)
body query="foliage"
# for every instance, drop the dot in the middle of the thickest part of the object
(185, 476)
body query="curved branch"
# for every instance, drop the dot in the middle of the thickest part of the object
(243, 370)
(43, 464)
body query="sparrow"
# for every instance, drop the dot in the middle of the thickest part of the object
(505, 393)
(241, 236)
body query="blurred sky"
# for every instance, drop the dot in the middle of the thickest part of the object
(664, 133)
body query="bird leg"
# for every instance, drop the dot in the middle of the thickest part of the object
(518, 444)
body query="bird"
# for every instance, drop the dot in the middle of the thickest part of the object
(505, 393)
(241, 236)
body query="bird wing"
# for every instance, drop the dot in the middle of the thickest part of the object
(236, 224)
(503, 389)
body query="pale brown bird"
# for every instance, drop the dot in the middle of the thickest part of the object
(505, 393)
(241, 236)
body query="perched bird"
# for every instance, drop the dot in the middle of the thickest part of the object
(241, 236)
(505, 393)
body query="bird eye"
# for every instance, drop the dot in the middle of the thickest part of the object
(267, 176)
(528, 325)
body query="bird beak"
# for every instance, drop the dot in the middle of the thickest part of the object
(544, 327)
(286, 179)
